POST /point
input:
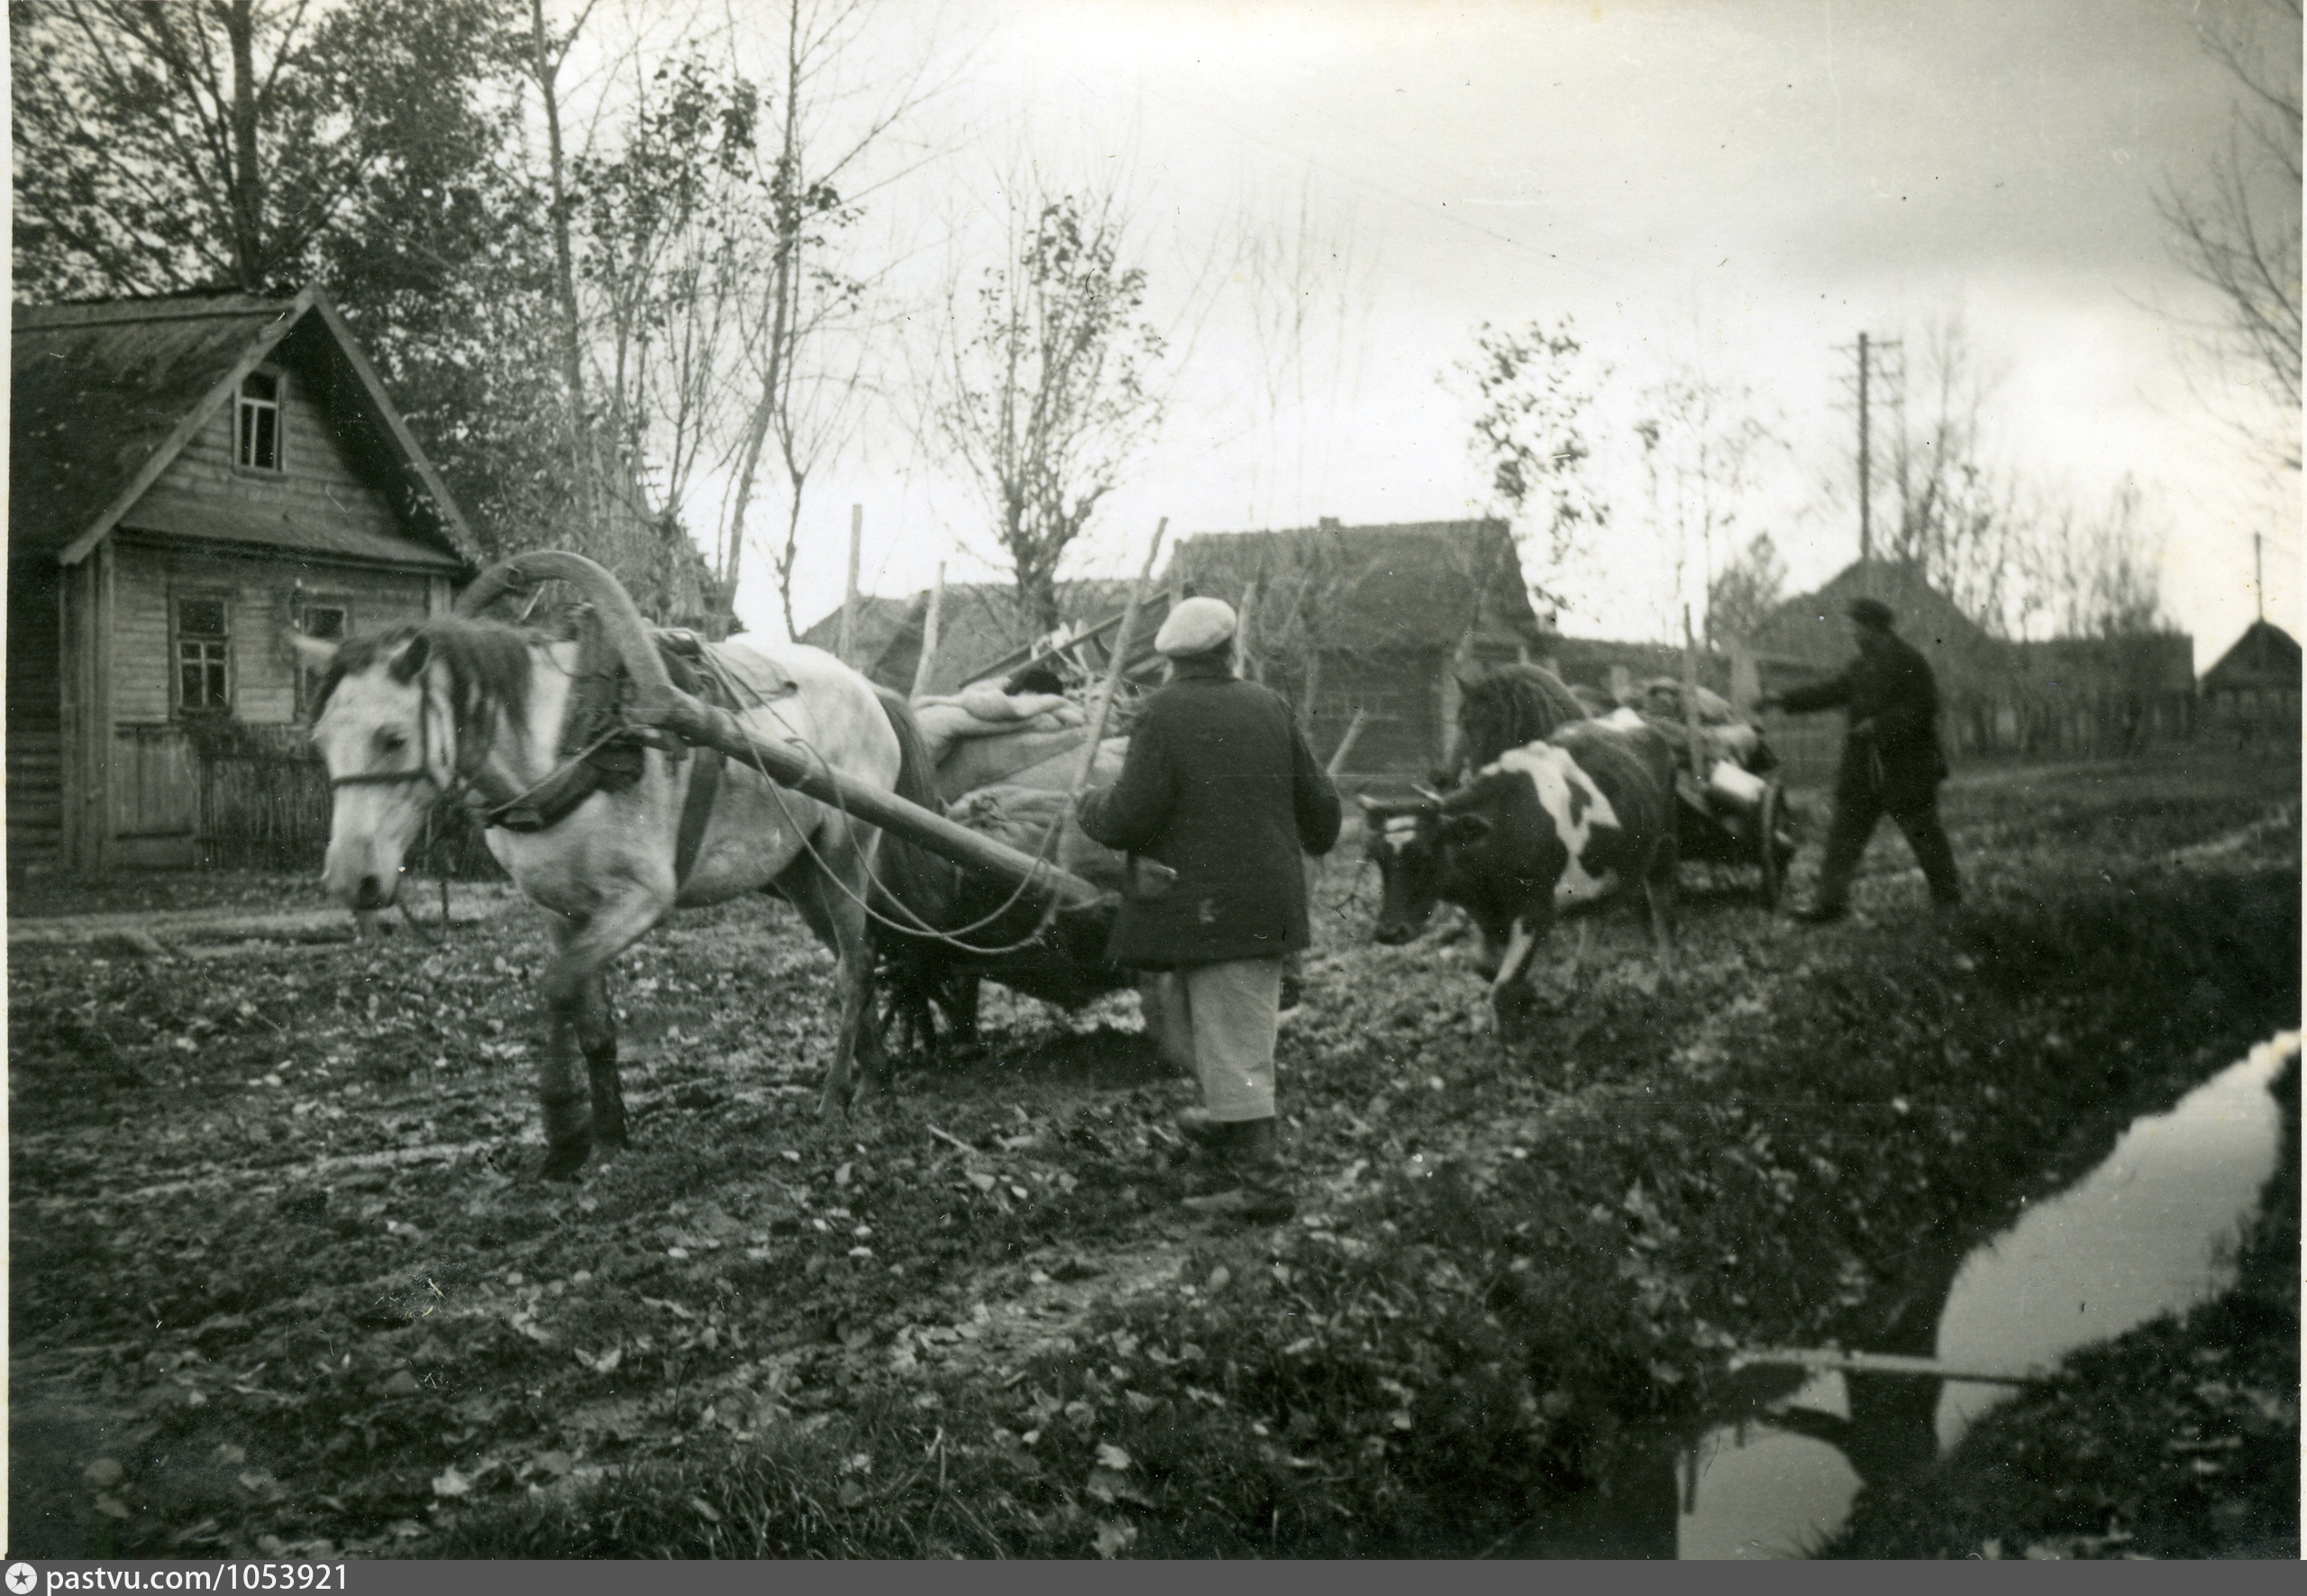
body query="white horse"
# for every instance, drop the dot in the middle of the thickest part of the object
(474, 709)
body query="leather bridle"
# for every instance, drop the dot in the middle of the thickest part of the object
(423, 770)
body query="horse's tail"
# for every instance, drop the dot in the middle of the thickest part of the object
(917, 772)
(919, 881)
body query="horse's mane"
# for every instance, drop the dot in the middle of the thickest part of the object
(488, 662)
(1512, 705)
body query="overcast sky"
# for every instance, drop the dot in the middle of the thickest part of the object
(1743, 184)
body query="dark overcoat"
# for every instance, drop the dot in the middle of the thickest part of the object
(1890, 698)
(1220, 787)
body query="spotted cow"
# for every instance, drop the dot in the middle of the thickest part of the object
(1556, 824)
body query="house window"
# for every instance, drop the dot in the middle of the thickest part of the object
(259, 435)
(328, 621)
(203, 645)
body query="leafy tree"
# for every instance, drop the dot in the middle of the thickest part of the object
(1044, 397)
(258, 145)
(1535, 391)
(232, 144)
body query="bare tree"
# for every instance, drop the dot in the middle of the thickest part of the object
(1045, 393)
(805, 325)
(1701, 439)
(2237, 229)
(1745, 593)
(1304, 283)
(1960, 522)
(2099, 570)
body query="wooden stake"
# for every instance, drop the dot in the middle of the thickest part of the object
(1821, 1360)
(1116, 660)
(849, 592)
(1246, 660)
(1690, 702)
(928, 661)
(1346, 744)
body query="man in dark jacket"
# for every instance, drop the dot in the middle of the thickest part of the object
(1891, 762)
(1216, 799)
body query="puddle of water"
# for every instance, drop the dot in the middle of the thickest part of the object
(2150, 1231)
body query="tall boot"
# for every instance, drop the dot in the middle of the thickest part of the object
(1207, 1134)
(1261, 1193)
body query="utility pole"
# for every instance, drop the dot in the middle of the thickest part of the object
(1870, 352)
(1866, 473)
(2258, 577)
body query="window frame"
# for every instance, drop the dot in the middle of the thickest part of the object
(277, 406)
(224, 661)
(308, 681)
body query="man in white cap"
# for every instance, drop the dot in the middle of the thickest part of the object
(1218, 797)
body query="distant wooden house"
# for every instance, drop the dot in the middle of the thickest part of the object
(2253, 691)
(191, 479)
(1379, 619)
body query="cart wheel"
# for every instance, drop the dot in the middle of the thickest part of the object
(1767, 822)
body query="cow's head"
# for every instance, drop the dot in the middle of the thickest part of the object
(1414, 843)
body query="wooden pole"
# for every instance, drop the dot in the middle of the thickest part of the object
(1821, 1360)
(928, 661)
(1245, 659)
(1690, 702)
(1116, 660)
(805, 772)
(849, 591)
(1346, 744)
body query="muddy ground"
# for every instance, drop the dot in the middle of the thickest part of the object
(282, 1282)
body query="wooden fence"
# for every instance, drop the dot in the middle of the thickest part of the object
(265, 805)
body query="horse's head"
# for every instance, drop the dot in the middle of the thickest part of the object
(387, 734)
(1509, 706)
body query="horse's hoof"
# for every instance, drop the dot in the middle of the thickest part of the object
(561, 1164)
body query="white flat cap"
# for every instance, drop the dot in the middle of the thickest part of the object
(1195, 628)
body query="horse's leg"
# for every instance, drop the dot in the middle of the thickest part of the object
(839, 921)
(597, 1037)
(961, 999)
(583, 949)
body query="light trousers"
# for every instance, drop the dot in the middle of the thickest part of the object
(1218, 1021)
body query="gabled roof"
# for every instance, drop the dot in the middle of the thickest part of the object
(1408, 585)
(1810, 627)
(104, 397)
(2265, 656)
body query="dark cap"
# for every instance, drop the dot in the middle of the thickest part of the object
(1871, 612)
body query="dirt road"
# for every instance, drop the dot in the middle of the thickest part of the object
(282, 1282)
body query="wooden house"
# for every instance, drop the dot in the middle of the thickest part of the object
(2253, 691)
(191, 479)
(1376, 618)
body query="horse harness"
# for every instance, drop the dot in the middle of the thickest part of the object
(600, 750)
